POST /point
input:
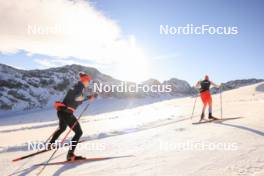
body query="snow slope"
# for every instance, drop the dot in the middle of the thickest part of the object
(160, 136)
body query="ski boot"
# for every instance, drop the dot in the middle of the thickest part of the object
(211, 117)
(51, 146)
(202, 117)
(72, 157)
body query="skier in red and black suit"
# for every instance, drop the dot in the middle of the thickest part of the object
(205, 95)
(65, 110)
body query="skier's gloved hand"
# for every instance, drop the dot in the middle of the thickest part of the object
(92, 97)
(95, 95)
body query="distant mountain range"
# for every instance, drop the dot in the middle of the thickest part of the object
(36, 89)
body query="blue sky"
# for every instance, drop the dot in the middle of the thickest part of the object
(187, 57)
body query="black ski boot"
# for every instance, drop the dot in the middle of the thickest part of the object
(211, 117)
(72, 157)
(51, 146)
(202, 117)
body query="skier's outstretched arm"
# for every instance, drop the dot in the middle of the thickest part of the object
(215, 85)
(91, 98)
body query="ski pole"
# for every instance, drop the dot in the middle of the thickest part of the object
(51, 135)
(194, 107)
(77, 120)
(38, 151)
(221, 104)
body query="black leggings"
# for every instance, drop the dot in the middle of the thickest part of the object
(68, 119)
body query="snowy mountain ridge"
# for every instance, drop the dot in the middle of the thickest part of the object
(23, 90)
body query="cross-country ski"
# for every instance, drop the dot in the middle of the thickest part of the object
(39, 152)
(83, 160)
(215, 120)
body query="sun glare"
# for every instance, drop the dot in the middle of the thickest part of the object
(134, 68)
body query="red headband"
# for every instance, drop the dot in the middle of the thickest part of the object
(85, 78)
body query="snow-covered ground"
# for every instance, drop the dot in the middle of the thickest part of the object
(160, 138)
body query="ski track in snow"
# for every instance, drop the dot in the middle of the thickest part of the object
(140, 131)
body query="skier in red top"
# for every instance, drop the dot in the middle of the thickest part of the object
(205, 95)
